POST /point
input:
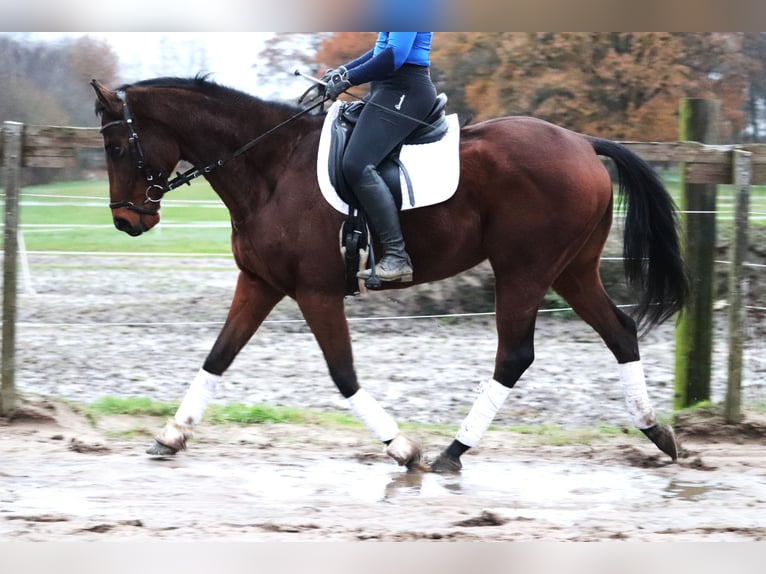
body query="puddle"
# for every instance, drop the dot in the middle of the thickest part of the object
(539, 483)
(694, 491)
(202, 489)
(544, 484)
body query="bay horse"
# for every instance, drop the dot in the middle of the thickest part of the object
(533, 198)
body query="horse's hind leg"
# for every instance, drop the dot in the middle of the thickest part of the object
(252, 302)
(581, 287)
(515, 353)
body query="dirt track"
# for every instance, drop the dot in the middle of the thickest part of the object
(61, 479)
(97, 326)
(85, 332)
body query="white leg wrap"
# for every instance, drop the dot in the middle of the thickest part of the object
(378, 422)
(492, 395)
(636, 397)
(201, 390)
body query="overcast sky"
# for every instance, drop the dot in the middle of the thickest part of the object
(229, 56)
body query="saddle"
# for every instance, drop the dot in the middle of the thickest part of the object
(354, 234)
(432, 129)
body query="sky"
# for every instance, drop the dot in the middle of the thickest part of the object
(229, 56)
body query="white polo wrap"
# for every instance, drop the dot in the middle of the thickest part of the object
(491, 397)
(636, 398)
(378, 421)
(201, 391)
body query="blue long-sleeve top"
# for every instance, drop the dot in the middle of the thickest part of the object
(392, 50)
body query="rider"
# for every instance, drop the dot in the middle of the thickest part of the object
(401, 96)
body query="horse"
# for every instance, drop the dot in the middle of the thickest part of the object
(534, 198)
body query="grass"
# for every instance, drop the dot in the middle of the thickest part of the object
(697, 406)
(554, 435)
(232, 413)
(725, 201)
(134, 406)
(74, 216)
(242, 414)
(245, 415)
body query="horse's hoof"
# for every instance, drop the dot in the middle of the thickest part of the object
(170, 439)
(159, 449)
(665, 439)
(405, 451)
(445, 464)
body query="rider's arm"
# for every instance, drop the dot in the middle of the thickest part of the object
(360, 60)
(387, 60)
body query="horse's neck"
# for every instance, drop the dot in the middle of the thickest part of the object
(217, 130)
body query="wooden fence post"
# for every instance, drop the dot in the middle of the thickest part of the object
(742, 166)
(694, 331)
(12, 136)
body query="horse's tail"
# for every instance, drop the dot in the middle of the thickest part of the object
(651, 251)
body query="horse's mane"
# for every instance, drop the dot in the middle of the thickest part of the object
(202, 83)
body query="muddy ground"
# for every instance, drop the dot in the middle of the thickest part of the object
(63, 479)
(93, 327)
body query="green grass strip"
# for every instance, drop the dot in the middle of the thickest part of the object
(234, 413)
(134, 406)
(242, 414)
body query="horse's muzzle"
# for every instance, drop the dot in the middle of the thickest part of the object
(124, 225)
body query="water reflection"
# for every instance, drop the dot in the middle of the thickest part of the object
(688, 490)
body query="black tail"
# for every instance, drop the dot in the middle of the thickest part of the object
(651, 250)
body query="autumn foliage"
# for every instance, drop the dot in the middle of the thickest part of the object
(622, 85)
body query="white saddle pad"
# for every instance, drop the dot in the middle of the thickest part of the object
(434, 168)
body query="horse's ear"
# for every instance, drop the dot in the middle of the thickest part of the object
(108, 99)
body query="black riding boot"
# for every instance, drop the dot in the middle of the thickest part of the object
(383, 216)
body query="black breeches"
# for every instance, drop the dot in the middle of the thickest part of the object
(393, 110)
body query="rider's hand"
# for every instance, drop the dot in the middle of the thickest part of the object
(337, 82)
(327, 75)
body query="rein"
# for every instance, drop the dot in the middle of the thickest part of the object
(193, 173)
(186, 177)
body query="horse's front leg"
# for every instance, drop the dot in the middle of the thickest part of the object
(252, 302)
(326, 317)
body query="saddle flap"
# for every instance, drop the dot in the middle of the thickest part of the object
(432, 170)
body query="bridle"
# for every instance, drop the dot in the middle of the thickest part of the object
(137, 153)
(156, 191)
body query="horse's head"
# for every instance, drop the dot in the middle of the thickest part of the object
(139, 156)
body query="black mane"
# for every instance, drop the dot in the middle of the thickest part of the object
(202, 84)
(199, 82)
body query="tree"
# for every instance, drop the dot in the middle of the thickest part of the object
(619, 85)
(463, 65)
(47, 83)
(754, 48)
(282, 55)
(88, 58)
(337, 49)
(623, 85)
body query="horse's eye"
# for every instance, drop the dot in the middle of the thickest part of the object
(114, 150)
